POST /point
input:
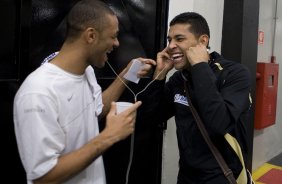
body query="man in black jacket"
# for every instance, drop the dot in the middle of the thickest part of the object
(219, 90)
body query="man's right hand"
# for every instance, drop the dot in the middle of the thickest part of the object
(164, 64)
(119, 126)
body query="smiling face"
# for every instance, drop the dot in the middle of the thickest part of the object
(105, 41)
(180, 39)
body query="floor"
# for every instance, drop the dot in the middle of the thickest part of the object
(270, 172)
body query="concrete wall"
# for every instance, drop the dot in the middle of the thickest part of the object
(267, 142)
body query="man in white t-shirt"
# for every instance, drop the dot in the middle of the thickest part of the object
(57, 107)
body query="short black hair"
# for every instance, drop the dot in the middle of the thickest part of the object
(84, 14)
(199, 25)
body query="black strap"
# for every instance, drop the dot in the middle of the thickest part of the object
(226, 170)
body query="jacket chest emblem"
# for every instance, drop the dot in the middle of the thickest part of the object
(178, 98)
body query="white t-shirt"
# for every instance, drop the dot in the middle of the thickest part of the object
(55, 112)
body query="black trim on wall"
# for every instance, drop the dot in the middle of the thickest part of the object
(9, 36)
(239, 43)
(161, 42)
(9, 84)
(24, 58)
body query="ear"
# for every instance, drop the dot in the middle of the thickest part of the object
(204, 39)
(90, 35)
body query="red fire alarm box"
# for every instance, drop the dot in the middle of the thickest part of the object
(266, 94)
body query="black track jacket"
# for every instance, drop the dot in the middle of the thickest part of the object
(220, 92)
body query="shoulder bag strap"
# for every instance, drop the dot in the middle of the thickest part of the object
(226, 170)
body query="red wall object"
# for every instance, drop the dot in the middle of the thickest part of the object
(266, 94)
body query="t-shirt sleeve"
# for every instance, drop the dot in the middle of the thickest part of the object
(39, 136)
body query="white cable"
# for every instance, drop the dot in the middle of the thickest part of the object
(135, 99)
(122, 81)
(135, 95)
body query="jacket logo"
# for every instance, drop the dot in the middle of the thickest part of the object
(181, 99)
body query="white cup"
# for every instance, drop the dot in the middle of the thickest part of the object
(121, 106)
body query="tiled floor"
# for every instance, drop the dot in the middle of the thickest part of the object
(270, 172)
